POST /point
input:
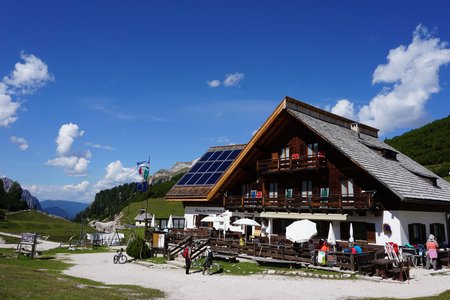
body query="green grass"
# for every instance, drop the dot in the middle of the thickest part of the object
(42, 279)
(157, 260)
(10, 239)
(55, 251)
(58, 229)
(158, 206)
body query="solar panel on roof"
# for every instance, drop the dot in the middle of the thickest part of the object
(234, 154)
(206, 156)
(209, 168)
(215, 155)
(224, 155)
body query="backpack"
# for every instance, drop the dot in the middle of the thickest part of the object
(185, 252)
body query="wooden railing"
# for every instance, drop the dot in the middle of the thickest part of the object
(314, 202)
(305, 162)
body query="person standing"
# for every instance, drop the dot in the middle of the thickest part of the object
(187, 252)
(432, 247)
(208, 261)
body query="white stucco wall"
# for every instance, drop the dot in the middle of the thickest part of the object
(398, 220)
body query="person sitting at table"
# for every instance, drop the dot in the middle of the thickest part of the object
(325, 247)
(356, 249)
(432, 247)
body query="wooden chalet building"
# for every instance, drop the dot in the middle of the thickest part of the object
(307, 163)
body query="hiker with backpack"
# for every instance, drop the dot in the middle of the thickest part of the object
(187, 252)
(208, 261)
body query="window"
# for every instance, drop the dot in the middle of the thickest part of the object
(313, 149)
(361, 231)
(347, 187)
(178, 223)
(288, 193)
(306, 188)
(417, 233)
(245, 190)
(438, 231)
(284, 153)
(273, 190)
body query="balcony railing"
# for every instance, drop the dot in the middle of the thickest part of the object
(309, 203)
(291, 164)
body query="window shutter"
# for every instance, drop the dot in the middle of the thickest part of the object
(412, 240)
(370, 232)
(423, 234)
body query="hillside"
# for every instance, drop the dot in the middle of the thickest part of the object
(428, 145)
(109, 202)
(157, 206)
(58, 229)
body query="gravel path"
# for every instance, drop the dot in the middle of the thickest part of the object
(177, 285)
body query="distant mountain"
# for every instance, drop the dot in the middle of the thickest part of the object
(164, 175)
(63, 208)
(31, 201)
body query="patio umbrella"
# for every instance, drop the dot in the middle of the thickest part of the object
(170, 222)
(153, 223)
(213, 218)
(351, 239)
(301, 231)
(331, 236)
(246, 222)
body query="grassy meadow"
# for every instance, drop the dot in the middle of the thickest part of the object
(58, 229)
(24, 278)
(157, 206)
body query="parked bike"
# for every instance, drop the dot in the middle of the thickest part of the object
(120, 257)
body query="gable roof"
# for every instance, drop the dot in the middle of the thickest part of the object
(403, 176)
(142, 216)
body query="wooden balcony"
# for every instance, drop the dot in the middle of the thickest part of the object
(298, 203)
(292, 164)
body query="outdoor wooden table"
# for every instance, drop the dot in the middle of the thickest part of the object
(381, 265)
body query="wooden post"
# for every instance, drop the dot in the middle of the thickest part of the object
(352, 262)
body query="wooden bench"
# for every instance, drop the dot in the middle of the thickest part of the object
(364, 263)
(401, 272)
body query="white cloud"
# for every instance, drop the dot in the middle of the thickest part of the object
(67, 134)
(29, 76)
(25, 79)
(72, 165)
(8, 108)
(117, 174)
(223, 140)
(233, 79)
(413, 71)
(98, 146)
(81, 187)
(21, 142)
(214, 83)
(77, 192)
(344, 108)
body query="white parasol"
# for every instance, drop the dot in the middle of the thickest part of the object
(301, 231)
(331, 236)
(246, 222)
(351, 239)
(153, 223)
(170, 222)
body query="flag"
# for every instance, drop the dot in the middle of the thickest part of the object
(141, 186)
(144, 168)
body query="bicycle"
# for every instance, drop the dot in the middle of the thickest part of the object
(120, 257)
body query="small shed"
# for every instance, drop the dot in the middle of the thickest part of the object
(142, 217)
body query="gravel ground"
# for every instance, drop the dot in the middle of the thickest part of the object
(178, 285)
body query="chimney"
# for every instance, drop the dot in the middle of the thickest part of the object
(355, 127)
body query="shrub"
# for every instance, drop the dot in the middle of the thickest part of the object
(138, 249)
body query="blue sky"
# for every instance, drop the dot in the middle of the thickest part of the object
(89, 88)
